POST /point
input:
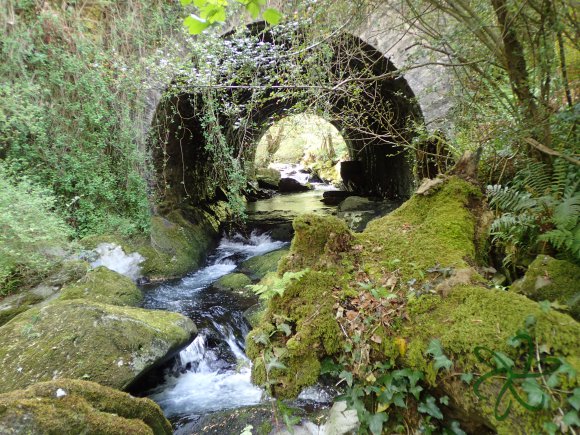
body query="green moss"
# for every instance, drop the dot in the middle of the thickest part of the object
(307, 307)
(315, 237)
(474, 316)
(86, 407)
(552, 280)
(105, 286)
(260, 265)
(424, 231)
(234, 282)
(85, 340)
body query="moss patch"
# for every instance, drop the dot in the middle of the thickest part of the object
(105, 286)
(260, 265)
(236, 282)
(425, 231)
(552, 280)
(307, 308)
(85, 407)
(77, 339)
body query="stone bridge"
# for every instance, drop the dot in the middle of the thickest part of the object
(384, 45)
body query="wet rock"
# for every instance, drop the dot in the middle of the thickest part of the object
(335, 197)
(257, 267)
(341, 420)
(77, 339)
(290, 185)
(105, 286)
(268, 178)
(235, 282)
(356, 203)
(73, 406)
(552, 280)
(254, 314)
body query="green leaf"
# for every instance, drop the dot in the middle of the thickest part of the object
(347, 376)
(466, 377)
(455, 429)
(444, 400)
(536, 396)
(185, 2)
(376, 422)
(550, 427)
(195, 25)
(284, 327)
(274, 364)
(571, 418)
(435, 350)
(272, 16)
(429, 406)
(545, 306)
(574, 399)
(253, 9)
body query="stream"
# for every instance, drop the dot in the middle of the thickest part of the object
(213, 373)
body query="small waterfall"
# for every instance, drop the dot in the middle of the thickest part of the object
(113, 257)
(213, 372)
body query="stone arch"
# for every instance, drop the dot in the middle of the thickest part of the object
(383, 167)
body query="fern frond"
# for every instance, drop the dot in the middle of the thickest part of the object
(534, 178)
(507, 199)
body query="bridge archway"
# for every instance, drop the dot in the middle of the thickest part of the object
(375, 123)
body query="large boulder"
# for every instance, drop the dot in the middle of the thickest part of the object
(258, 266)
(290, 185)
(77, 339)
(68, 406)
(105, 286)
(552, 280)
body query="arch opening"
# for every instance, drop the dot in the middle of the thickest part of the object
(360, 93)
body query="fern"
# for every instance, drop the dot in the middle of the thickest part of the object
(540, 205)
(277, 287)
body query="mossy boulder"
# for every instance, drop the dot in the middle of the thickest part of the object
(67, 271)
(105, 286)
(312, 332)
(552, 280)
(268, 178)
(177, 244)
(474, 316)
(315, 236)
(86, 340)
(68, 406)
(235, 282)
(257, 267)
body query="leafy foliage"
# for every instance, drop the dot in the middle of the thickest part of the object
(539, 205)
(277, 288)
(31, 233)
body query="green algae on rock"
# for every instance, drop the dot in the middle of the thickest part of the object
(257, 267)
(552, 280)
(105, 286)
(77, 339)
(66, 406)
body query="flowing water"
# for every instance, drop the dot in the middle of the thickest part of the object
(213, 372)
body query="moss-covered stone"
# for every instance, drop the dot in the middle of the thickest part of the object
(71, 407)
(257, 267)
(426, 230)
(105, 286)
(474, 316)
(236, 282)
(315, 236)
(86, 340)
(552, 280)
(67, 271)
(268, 178)
(307, 308)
